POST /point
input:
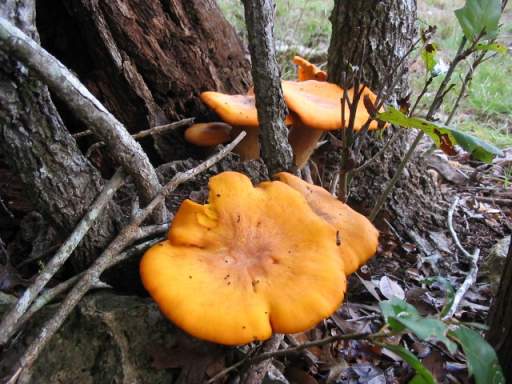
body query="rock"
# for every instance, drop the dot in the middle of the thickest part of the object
(107, 339)
(493, 265)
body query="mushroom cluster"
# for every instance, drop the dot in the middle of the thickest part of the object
(313, 103)
(256, 260)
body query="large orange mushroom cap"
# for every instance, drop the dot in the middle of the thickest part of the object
(318, 104)
(253, 261)
(308, 71)
(357, 236)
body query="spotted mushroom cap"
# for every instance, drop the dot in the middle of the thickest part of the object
(252, 261)
(318, 104)
(357, 236)
(308, 71)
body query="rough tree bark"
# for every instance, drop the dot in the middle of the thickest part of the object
(385, 30)
(58, 178)
(275, 150)
(500, 331)
(147, 61)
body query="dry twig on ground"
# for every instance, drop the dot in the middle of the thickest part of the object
(472, 274)
(110, 256)
(10, 322)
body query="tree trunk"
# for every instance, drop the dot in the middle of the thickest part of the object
(147, 61)
(500, 331)
(385, 30)
(57, 177)
(275, 150)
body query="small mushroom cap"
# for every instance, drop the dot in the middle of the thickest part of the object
(253, 261)
(308, 71)
(208, 134)
(318, 104)
(358, 237)
(237, 110)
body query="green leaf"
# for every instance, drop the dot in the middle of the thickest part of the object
(450, 292)
(496, 47)
(401, 315)
(481, 357)
(427, 328)
(396, 307)
(428, 54)
(479, 15)
(423, 375)
(443, 136)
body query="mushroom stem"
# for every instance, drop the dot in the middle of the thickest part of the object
(249, 147)
(303, 141)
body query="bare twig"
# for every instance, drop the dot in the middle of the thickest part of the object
(257, 371)
(9, 324)
(51, 294)
(151, 230)
(125, 150)
(471, 276)
(444, 87)
(158, 130)
(465, 83)
(369, 162)
(299, 348)
(111, 256)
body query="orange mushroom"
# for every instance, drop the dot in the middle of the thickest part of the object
(253, 261)
(357, 236)
(208, 134)
(240, 112)
(308, 71)
(317, 107)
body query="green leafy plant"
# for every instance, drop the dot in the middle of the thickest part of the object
(481, 358)
(444, 137)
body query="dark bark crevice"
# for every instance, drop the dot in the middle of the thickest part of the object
(148, 62)
(34, 142)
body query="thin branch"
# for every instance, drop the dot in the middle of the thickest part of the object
(125, 150)
(369, 162)
(158, 130)
(472, 274)
(256, 372)
(111, 256)
(299, 348)
(9, 324)
(465, 83)
(436, 103)
(151, 230)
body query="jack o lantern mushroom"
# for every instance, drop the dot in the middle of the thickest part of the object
(308, 71)
(240, 112)
(316, 107)
(357, 236)
(208, 134)
(252, 261)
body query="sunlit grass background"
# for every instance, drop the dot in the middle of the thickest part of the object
(303, 27)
